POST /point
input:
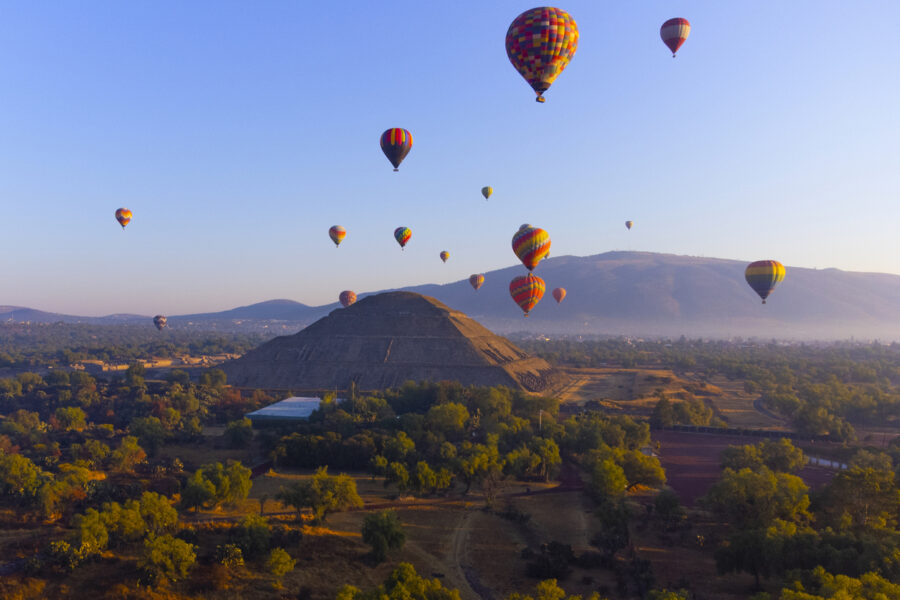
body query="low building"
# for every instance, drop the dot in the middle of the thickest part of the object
(295, 408)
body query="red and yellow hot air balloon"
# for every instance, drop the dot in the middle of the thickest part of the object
(445, 255)
(347, 298)
(540, 43)
(531, 245)
(402, 235)
(673, 33)
(123, 216)
(337, 234)
(476, 280)
(629, 224)
(396, 144)
(527, 291)
(763, 276)
(559, 294)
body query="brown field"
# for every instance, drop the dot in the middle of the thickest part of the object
(735, 406)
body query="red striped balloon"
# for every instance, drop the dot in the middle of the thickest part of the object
(673, 33)
(123, 216)
(531, 245)
(337, 234)
(396, 144)
(527, 291)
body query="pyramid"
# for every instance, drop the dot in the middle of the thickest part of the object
(385, 340)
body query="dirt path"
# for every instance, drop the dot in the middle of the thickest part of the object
(459, 560)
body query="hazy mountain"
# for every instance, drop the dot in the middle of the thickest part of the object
(21, 314)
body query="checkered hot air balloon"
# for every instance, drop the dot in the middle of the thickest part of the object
(347, 298)
(337, 234)
(476, 281)
(673, 33)
(527, 291)
(531, 245)
(402, 235)
(540, 43)
(396, 144)
(123, 216)
(763, 276)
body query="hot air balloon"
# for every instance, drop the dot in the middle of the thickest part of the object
(396, 144)
(402, 235)
(160, 322)
(347, 298)
(559, 294)
(540, 43)
(445, 255)
(123, 216)
(763, 276)
(524, 226)
(673, 33)
(629, 224)
(531, 244)
(486, 191)
(527, 291)
(337, 234)
(476, 280)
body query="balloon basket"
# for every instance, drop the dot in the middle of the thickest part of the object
(396, 169)
(540, 99)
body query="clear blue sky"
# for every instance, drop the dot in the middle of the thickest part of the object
(238, 132)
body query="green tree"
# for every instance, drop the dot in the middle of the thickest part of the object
(383, 532)
(20, 478)
(402, 584)
(424, 478)
(167, 558)
(90, 534)
(239, 434)
(449, 419)
(323, 494)
(754, 500)
(128, 455)
(608, 480)
(150, 431)
(158, 513)
(124, 522)
(663, 414)
(70, 418)
(862, 498)
(279, 563)
(213, 378)
(548, 452)
(398, 475)
(253, 536)
(230, 556)
(641, 469)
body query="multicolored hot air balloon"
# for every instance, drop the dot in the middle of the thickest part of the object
(531, 245)
(123, 216)
(524, 226)
(476, 280)
(486, 191)
(540, 43)
(629, 224)
(527, 291)
(763, 276)
(402, 235)
(337, 234)
(445, 255)
(559, 294)
(347, 298)
(396, 144)
(673, 33)
(160, 322)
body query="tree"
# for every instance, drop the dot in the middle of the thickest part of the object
(424, 478)
(323, 494)
(124, 522)
(253, 536)
(822, 585)
(607, 480)
(128, 455)
(279, 563)
(158, 513)
(91, 535)
(403, 584)
(150, 431)
(383, 532)
(548, 453)
(167, 558)
(449, 419)
(213, 378)
(229, 556)
(238, 434)
(19, 477)
(70, 418)
(754, 500)
(663, 414)
(781, 456)
(197, 493)
(863, 498)
(641, 469)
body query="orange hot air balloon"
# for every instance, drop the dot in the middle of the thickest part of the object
(527, 291)
(337, 234)
(559, 294)
(531, 245)
(123, 216)
(476, 280)
(445, 255)
(347, 298)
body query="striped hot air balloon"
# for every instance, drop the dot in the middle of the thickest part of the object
(337, 234)
(673, 33)
(629, 224)
(160, 321)
(476, 280)
(445, 255)
(527, 291)
(763, 276)
(540, 43)
(347, 298)
(559, 294)
(486, 191)
(531, 245)
(396, 144)
(123, 216)
(402, 235)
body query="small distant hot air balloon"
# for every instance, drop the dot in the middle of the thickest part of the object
(763, 276)
(402, 235)
(629, 224)
(347, 298)
(559, 294)
(531, 245)
(540, 43)
(486, 191)
(445, 255)
(396, 144)
(673, 33)
(337, 234)
(160, 322)
(476, 280)
(123, 216)
(527, 291)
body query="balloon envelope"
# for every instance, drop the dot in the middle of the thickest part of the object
(445, 255)
(673, 33)
(486, 191)
(402, 235)
(337, 234)
(476, 280)
(396, 144)
(347, 298)
(540, 43)
(527, 291)
(531, 245)
(160, 322)
(558, 294)
(123, 216)
(763, 276)
(629, 224)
